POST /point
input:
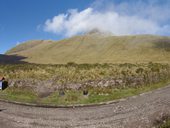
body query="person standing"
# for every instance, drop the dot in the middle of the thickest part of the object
(1, 82)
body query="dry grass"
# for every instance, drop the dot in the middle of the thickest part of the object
(114, 75)
(97, 49)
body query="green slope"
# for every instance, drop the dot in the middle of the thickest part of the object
(96, 48)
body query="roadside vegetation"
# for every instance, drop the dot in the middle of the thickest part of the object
(166, 125)
(163, 122)
(73, 83)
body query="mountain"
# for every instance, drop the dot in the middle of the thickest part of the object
(96, 48)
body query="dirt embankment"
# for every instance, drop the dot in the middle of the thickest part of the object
(49, 86)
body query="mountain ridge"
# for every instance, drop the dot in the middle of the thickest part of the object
(90, 48)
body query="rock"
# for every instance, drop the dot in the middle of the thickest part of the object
(61, 93)
(85, 92)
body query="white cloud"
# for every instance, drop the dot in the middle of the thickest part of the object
(18, 43)
(117, 18)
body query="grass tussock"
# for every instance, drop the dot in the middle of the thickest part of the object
(79, 73)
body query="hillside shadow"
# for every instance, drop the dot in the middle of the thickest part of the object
(12, 59)
(163, 44)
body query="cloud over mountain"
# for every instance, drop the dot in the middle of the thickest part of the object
(123, 18)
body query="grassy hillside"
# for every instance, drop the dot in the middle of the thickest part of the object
(93, 48)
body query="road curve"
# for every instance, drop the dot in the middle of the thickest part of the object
(135, 112)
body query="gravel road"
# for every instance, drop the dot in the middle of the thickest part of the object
(134, 112)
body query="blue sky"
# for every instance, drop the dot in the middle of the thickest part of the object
(22, 20)
(19, 19)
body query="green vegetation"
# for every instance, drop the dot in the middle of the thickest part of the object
(75, 97)
(19, 94)
(163, 122)
(42, 84)
(96, 49)
(165, 125)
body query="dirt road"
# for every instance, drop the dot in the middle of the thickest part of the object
(135, 112)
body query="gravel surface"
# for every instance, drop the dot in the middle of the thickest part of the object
(134, 112)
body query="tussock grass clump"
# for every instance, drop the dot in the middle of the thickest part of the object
(43, 83)
(72, 74)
